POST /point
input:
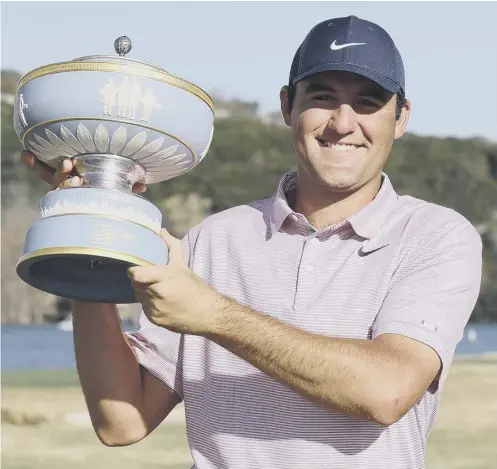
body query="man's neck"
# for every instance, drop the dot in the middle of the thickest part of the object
(323, 208)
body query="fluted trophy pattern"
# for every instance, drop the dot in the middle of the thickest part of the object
(161, 163)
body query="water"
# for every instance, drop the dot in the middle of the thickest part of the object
(47, 347)
(35, 347)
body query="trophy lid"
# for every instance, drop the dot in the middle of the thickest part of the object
(122, 46)
(114, 105)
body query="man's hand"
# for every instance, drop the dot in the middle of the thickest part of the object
(64, 176)
(174, 297)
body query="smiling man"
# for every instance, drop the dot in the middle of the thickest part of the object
(312, 329)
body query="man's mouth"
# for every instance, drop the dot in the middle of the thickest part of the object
(337, 146)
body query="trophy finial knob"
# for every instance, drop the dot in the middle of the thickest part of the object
(122, 45)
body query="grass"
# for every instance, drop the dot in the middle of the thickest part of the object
(39, 379)
(463, 438)
(465, 432)
(55, 446)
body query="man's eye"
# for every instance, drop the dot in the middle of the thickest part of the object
(323, 97)
(367, 102)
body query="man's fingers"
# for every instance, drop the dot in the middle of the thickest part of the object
(140, 296)
(60, 178)
(139, 288)
(139, 188)
(44, 171)
(175, 248)
(56, 178)
(145, 276)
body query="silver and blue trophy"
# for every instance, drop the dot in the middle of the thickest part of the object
(122, 121)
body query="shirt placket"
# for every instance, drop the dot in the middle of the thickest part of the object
(307, 277)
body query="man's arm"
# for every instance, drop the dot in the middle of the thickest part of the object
(377, 380)
(419, 325)
(415, 332)
(124, 400)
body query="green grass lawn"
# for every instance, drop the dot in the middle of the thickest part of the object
(40, 379)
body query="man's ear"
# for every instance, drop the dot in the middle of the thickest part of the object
(285, 106)
(401, 123)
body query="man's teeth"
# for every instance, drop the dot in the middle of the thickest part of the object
(337, 146)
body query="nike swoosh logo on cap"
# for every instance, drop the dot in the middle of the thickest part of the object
(335, 46)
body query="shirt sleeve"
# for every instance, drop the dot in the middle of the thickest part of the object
(435, 291)
(159, 350)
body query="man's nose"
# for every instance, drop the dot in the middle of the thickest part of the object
(343, 119)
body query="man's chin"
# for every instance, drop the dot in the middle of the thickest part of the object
(335, 179)
(339, 181)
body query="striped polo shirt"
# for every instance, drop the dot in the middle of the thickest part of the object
(399, 265)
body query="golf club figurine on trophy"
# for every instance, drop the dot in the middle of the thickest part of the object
(122, 121)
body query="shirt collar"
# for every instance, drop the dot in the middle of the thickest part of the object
(280, 207)
(366, 223)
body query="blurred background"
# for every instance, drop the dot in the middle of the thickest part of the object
(240, 52)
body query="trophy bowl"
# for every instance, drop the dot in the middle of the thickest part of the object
(121, 121)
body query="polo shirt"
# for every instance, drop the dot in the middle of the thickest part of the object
(400, 265)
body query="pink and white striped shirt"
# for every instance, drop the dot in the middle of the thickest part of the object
(400, 265)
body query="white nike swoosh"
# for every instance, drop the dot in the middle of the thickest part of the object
(334, 46)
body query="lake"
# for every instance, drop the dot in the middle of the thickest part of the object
(45, 346)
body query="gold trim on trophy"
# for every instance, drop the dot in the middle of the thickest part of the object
(142, 71)
(102, 252)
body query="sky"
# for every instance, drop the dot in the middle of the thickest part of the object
(245, 49)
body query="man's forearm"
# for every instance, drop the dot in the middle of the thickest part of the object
(353, 376)
(107, 368)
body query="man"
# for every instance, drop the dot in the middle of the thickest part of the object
(313, 329)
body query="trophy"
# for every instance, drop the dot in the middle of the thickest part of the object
(122, 121)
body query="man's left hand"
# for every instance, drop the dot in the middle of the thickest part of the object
(174, 297)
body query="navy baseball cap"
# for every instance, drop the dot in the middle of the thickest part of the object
(350, 44)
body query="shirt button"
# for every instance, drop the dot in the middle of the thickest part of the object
(314, 242)
(309, 268)
(294, 217)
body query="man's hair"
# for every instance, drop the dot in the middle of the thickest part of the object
(398, 105)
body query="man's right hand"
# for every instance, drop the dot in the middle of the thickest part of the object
(61, 177)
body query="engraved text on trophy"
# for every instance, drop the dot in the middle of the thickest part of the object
(104, 235)
(127, 99)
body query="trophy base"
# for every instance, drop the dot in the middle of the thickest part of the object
(85, 256)
(80, 274)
